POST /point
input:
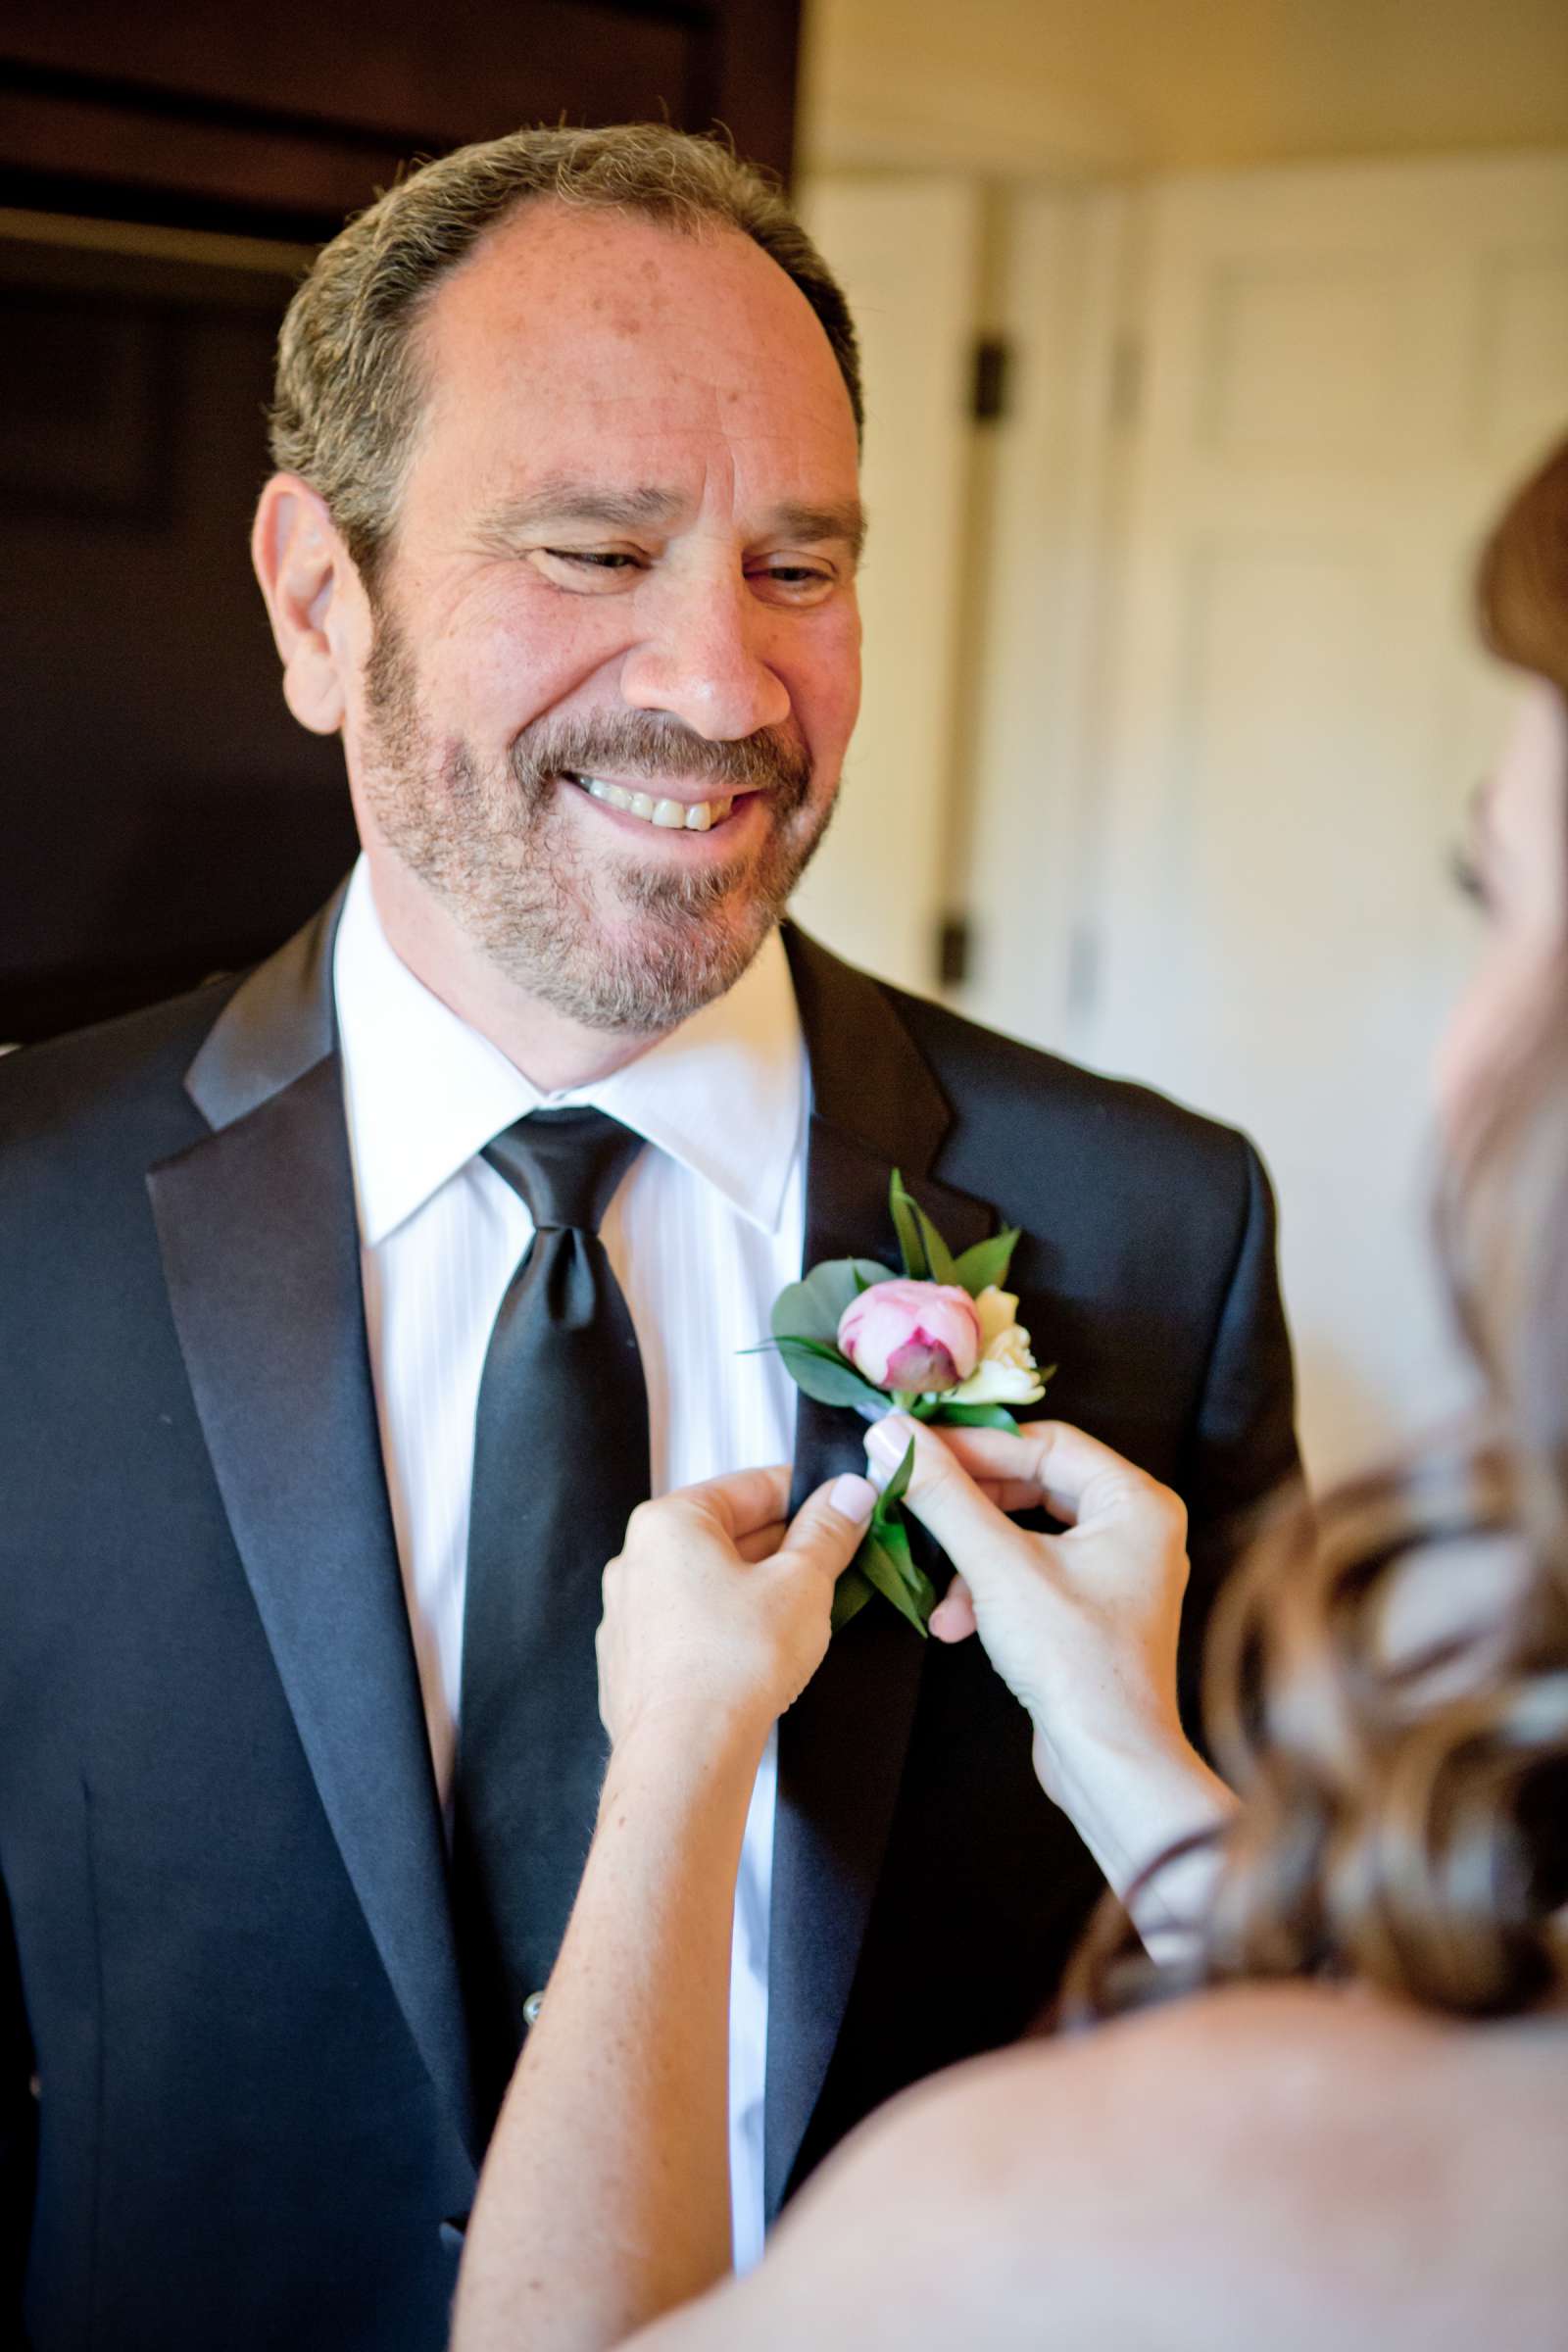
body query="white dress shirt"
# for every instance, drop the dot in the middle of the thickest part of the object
(704, 1232)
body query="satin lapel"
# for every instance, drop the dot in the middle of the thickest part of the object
(876, 1107)
(259, 1238)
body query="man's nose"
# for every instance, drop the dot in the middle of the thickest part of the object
(706, 662)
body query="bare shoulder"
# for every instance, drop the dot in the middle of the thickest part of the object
(1279, 2164)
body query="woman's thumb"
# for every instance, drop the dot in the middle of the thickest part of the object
(941, 1494)
(827, 1529)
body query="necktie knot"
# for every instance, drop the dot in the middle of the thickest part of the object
(566, 1164)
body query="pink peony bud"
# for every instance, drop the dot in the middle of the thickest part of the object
(917, 1336)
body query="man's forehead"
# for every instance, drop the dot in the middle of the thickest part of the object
(607, 303)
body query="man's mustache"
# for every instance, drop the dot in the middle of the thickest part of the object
(641, 747)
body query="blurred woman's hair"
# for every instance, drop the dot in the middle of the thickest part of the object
(1386, 1680)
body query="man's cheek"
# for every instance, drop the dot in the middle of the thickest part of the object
(831, 688)
(520, 657)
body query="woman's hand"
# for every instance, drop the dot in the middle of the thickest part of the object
(1082, 1627)
(716, 1612)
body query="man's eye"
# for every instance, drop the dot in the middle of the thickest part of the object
(797, 579)
(590, 559)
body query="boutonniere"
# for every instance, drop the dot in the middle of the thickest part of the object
(941, 1342)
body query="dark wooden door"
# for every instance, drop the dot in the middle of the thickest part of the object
(163, 176)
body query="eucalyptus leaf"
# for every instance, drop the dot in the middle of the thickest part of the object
(850, 1596)
(811, 1309)
(881, 1568)
(926, 1255)
(823, 1374)
(986, 1264)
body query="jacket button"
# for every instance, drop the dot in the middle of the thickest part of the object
(531, 2008)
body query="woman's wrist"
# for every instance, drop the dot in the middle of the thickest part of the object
(674, 1744)
(1082, 1743)
(1131, 1791)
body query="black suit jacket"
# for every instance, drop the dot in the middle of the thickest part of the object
(226, 1949)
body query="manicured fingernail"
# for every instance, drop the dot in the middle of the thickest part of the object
(853, 1498)
(886, 1441)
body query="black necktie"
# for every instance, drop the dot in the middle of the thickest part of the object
(561, 1461)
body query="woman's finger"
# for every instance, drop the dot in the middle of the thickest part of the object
(1055, 1461)
(944, 1498)
(1011, 1472)
(954, 1618)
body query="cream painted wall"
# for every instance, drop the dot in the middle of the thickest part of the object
(1216, 711)
(1010, 87)
(908, 254)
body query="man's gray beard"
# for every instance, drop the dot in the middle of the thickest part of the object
(483, 842)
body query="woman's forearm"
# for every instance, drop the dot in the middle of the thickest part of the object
(605, 2197)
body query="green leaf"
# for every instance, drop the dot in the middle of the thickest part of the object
(912, 1249)
(893, 1536)
(976, 1416)
(850, 1596)
(893, 1492)
(822, 1372)
(926, 1255)
(880, 1570)
(886, 1564)
(986, 1264)
(810, 1310)
(897, 1578)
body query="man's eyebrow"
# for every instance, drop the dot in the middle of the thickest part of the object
(562, 500)
(845, 521)
(565, 500)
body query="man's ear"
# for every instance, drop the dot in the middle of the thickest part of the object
(307, 579)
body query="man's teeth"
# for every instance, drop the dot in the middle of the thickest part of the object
(672, 816)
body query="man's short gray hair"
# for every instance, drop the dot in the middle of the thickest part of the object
(348, 387)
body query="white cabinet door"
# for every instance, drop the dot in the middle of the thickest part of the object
(1344, 369)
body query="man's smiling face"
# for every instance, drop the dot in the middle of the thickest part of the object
(616, 658)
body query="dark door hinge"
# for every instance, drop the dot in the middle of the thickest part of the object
(992, 380)
(953, 951)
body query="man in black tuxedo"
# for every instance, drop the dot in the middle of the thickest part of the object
(563, 543)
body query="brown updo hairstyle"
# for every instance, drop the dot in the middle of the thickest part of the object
(1404, 1799)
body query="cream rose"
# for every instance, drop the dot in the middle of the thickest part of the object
(1006, 1373)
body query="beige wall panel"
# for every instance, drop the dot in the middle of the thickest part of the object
(907, 254)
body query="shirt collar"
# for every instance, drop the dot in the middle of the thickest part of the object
(725, 1093)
